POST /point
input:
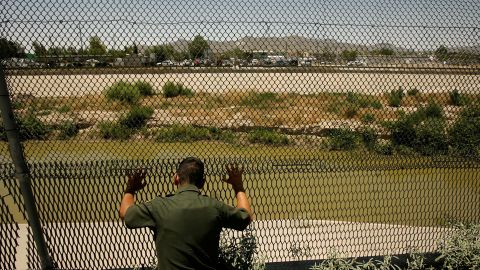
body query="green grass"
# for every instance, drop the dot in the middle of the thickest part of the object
(268, 137)
(421, 197)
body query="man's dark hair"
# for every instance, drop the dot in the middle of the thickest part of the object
(191, 170)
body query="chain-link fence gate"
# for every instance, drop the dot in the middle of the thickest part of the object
(357, 122)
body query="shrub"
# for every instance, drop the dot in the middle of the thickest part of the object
(423, 130)
(188, 133)
(171, 89)
(376, 104)
(17, 104)
(395, 97)
(260, 100)
(384, 148)
(269, 137)
(464, 133)
(402, 131)
(183, 133)
(432, 110)
(144, 88)
(113, 130)
(405, 150)
(333, 262)
(369, 137)
(343, 139)
(185, 91)
(137, 117)
(368, 118)
(68, 129)
(359, 100)
(431, 137)
(352, 97)
(64, 109)
(457, 99)
(413, 91)
(461, 248)
(123, 92)
(238, 253)
(31, 128)
(227, 136)
(364, 103)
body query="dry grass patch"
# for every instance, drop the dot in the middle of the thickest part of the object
(236, 109)
(68, 104)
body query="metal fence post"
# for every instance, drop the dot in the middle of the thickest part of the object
(22, 173)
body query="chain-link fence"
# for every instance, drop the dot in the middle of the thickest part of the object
(357, 122)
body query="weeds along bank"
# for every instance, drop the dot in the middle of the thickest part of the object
(405, 121)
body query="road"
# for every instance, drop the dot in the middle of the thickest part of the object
(265, 81)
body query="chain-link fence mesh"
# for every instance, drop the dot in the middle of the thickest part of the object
(358, 122)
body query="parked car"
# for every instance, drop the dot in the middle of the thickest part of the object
(186, 63)
(255, 62)
(356, 63)
(166, 63)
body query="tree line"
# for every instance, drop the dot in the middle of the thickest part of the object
(199, 48)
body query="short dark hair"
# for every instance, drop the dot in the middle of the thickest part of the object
(191, 170)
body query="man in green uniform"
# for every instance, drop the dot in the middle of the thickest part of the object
(186, 225)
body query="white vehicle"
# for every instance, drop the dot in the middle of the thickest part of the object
(166, 63)
(356, 63)
(186, 63)
(92, 62)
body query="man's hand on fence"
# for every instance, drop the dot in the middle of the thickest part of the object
(234, 177)
(136, 181)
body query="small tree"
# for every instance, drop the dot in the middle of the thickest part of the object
(441, 53)
(96, 46)
(164, 52)
(386, 51)
(39, 49)
(198, 47)
(349, 55)
(10, 49)
(124, 92)
(343, 139)
(395, 97)
(457, 99)
(423, 130)
(463, 134)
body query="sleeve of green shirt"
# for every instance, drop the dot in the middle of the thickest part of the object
(139, 216)
(234, 218)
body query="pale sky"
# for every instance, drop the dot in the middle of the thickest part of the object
(413, 24)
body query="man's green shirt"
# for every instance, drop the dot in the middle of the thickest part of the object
(186, 227)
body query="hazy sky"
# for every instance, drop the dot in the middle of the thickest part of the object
(416, 24)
